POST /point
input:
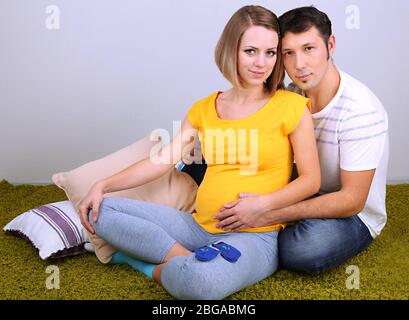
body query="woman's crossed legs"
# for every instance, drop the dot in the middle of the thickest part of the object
(167, 237)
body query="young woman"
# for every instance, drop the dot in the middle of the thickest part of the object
(250, 135)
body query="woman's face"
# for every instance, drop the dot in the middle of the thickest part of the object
(257, 55)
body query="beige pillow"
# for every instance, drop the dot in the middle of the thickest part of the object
(175, 189)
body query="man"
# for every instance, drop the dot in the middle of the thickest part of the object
(351, 133)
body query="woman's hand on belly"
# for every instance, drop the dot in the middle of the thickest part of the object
(244, 213)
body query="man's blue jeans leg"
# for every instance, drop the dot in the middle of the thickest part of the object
(316, 245)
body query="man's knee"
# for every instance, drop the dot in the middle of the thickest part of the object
(309, 266)
(316, 245)
(301, 254)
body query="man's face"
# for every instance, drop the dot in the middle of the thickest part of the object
(306, 57)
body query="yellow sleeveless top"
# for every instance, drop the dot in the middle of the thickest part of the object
(252, 154)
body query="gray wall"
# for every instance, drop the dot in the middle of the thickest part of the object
(115, 70)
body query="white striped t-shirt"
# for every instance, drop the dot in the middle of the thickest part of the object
(352, 134)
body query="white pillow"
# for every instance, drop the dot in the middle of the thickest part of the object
(54, 229)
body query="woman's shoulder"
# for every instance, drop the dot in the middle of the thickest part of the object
(203, 104)
(208, 99)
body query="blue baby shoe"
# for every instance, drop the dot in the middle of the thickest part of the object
(227, 251)
(206, 253)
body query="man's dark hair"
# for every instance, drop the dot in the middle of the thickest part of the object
(302, 19)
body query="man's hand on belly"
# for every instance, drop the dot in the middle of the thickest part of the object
(244, 213)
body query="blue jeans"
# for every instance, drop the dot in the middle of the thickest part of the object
(147, 231)
(316, 245)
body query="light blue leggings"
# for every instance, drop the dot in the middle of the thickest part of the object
(147, 231)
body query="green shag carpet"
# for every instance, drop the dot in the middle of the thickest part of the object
(383, 268)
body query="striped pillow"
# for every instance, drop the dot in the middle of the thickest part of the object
(54, 229)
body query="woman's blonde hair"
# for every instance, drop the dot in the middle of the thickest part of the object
(226, 52)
